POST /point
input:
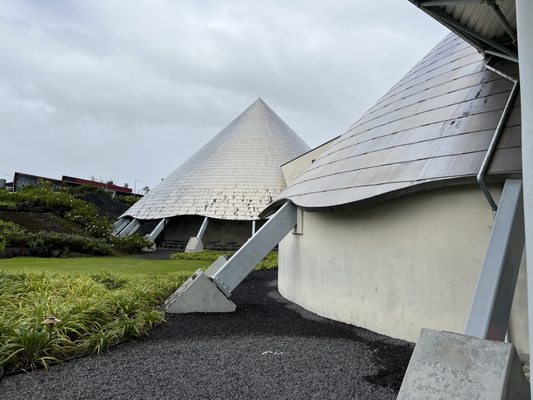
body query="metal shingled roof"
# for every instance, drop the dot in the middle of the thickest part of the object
(433, 126)
(234, 176)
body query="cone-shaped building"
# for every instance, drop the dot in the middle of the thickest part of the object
(395, 228)
(232, 178)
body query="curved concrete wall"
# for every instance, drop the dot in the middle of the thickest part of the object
(397, 266)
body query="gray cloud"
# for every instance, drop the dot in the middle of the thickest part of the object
(128, 90)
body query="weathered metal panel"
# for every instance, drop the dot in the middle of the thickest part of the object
(234, 176)
(434, 126)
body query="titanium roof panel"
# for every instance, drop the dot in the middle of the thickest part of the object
(432, 128)
(234, 176)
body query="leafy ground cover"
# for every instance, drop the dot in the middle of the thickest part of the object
(99, 301)
(269, 262)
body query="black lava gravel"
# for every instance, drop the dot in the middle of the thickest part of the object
(268, 349)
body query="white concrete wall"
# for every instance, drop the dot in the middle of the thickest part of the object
(295, 167)
(397, 266)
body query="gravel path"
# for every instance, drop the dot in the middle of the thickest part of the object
(268, 349)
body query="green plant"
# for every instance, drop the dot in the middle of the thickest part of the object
(206, 255)
(110, 281)
(18, 237)
(130, 244)
(96, 311)
(62, 203)
(14, 236)
(129, 200)
(7, 230)
(269, 262)
(27, 347)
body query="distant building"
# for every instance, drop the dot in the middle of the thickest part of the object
(227, 183)
(21, 180)
(110, 187)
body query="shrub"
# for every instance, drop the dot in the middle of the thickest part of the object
(130, 244)
(7, 230)
(96, 311)
(269, 262)
(83, 190)
(129, 200)
(206, 255)
(13, 235)
(63, 204)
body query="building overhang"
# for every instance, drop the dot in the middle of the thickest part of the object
(488, 25)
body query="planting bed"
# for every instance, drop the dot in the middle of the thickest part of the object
(268, 349)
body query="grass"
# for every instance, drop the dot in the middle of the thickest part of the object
(122, 265)
(269, 262)
(100, 301)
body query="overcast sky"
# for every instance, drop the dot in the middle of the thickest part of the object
(128, 90)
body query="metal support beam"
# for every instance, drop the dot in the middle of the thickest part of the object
(493, 298)
(120, 224)
(157, 230)
(209, 291)
(247, 257)
(478, 364)
(253, 227)
(435, 3)
(501, 55)
(470, 40)
(491, 3)
(130, 229)
(497, 10)
(460, 29)
(203, 228)
(524, 16)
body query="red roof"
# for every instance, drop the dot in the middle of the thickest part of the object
(100, 185)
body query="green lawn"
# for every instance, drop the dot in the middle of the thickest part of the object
(127, 265)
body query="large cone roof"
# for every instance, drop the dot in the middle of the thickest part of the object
(431, 129)
(234, 176)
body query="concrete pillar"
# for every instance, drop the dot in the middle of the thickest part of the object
(524, 16)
